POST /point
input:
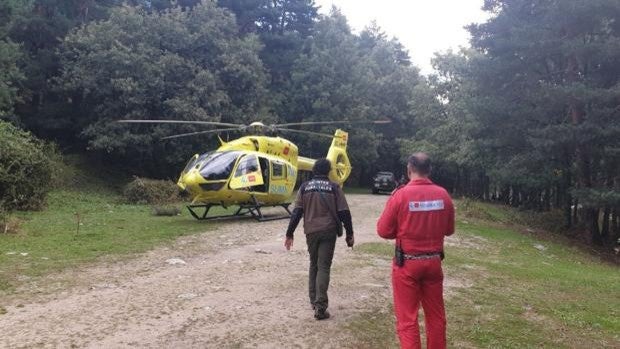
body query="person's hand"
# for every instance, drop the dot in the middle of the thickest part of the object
(288, 243)
(350, 241)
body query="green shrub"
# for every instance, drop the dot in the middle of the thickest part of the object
(151, 191)
(9, 224)
(64, 174)
(27, 169)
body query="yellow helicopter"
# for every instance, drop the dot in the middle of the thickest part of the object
(254, 171)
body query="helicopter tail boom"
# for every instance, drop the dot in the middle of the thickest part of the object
(305, 164)
(337, 155)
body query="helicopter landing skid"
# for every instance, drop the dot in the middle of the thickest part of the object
(253, 209)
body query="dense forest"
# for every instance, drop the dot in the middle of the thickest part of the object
(529, 115)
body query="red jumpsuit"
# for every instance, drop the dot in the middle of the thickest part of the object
(418, 216)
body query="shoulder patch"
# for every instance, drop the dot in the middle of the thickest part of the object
(421, 206)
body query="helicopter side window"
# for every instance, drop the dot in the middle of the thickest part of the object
(248, 164)
(277, 170)
(219, 166)
(291, 171)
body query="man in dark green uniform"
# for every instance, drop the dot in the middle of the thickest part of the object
(324, 208)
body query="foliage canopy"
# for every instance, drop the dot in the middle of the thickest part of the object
(189, 65)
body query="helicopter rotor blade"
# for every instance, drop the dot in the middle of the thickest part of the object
(211, 123)
(202, 132)
(305, 132)
(305, 123)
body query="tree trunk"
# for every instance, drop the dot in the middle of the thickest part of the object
(575, 211)
(487, 188)
(616, 225)
(457, 182)
(517, 197)
(568, 222)
(583, 154)
(547, 199)
(605, 226)
(592, 226)
(505, 195)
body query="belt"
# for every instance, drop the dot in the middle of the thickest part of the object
(422, 255)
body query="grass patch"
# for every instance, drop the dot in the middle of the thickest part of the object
(499, 214)
(374, 329)
(81, 224)
(376, 248)
(520, 292)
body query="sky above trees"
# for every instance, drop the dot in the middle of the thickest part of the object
(423, 26)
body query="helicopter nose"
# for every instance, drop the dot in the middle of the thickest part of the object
(192, 178)
(187, 181)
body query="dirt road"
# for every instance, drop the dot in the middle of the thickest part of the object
(238, 288)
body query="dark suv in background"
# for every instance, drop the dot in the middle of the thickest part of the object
(384, 182)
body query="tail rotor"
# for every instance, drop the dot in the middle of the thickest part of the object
(337, 155)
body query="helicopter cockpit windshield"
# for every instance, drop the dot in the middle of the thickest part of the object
(193, 162)
(219, 166)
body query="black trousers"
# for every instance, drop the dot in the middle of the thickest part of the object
(321, 248)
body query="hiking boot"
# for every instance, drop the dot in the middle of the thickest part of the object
(321, 314)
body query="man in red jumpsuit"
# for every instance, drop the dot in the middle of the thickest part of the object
(418, 215)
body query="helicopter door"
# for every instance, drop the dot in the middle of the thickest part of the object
(264, 165)
(248, 174)
(278, 180)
